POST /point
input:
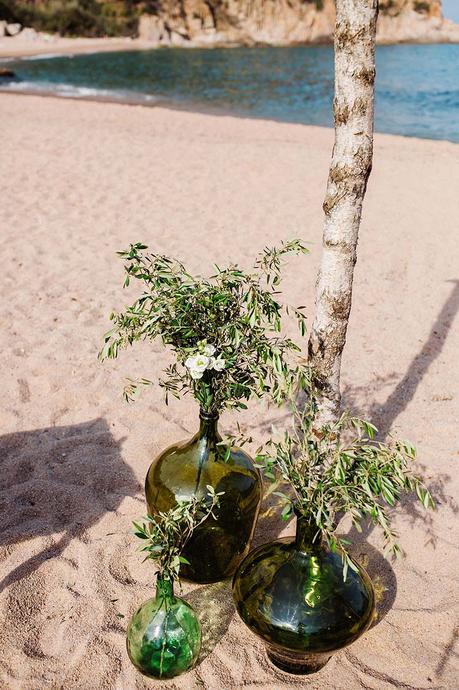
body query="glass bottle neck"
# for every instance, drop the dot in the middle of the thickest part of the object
(208, 427)
(164, 588)
(305, 536)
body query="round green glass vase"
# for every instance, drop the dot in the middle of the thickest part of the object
(218, 545)
(291, 593)
(164, 634)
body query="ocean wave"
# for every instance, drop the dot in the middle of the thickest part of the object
(46, 56)
(84, 92)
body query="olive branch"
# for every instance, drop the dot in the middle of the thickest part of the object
(166, 534)
(342, 469)
(225, 331)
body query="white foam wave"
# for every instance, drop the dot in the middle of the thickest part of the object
(46, 56)
(71, 91)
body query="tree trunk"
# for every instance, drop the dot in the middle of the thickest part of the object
(347, 181)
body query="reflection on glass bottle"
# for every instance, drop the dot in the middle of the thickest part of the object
(218, 545)
(292, 594)
(164, 635)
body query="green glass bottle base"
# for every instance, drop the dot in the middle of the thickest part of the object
(291, 593)
(298, 664)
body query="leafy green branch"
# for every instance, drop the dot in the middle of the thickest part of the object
(342, 470)
(165, 535)
(225, 331)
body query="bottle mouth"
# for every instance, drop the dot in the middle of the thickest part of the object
(297, 510)
(164, 585)
(302, 516)
(208, 416)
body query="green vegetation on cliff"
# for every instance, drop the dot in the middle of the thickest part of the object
(188, 19)
(78, 17)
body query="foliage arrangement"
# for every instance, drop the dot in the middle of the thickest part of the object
(165, 535)
(225, 331)
(340, 470)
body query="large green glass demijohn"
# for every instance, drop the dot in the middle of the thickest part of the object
(306, 597)
(226, 336)
(186, 469)
(164, 634)
(291, 593)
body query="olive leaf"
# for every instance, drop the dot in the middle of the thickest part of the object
(225, 331)
(343, 469)
(165, 535)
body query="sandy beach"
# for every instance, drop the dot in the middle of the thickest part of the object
(50, 44)
(81, 180)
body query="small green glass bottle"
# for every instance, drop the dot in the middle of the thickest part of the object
(291, 593)
(186, 469)
(164, 634)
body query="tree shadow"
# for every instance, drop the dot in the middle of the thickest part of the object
(448, 653)
(58, 481)
(384, 416)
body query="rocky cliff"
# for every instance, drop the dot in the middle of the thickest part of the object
(217, 22)
(282, 22)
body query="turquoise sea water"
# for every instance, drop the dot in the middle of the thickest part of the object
(417, 87)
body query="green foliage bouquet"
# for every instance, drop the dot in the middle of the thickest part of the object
(342, 469)
(165, 535)
(225, 331)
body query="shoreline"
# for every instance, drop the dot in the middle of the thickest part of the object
(194, 109)
(12, 48)
(58, 46)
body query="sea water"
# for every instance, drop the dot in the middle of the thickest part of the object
(417, 86)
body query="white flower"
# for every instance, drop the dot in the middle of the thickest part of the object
(217, 363)
(197, 362)
(197, 365)
(209, 350)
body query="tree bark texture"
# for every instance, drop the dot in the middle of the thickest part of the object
(347, 181)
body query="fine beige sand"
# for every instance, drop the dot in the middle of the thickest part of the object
(34, 43)
(78, 182)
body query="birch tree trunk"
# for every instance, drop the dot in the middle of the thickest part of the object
(347, 181)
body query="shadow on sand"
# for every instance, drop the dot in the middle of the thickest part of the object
(56, 483)
(384, 416)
